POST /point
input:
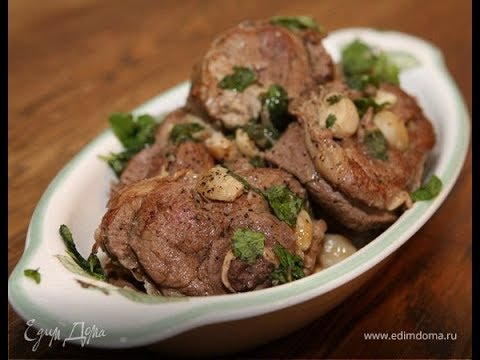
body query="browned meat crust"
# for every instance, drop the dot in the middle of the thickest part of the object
(345, 164)
(294, 60)
(165, 158)
(291, 154)
(165, 233)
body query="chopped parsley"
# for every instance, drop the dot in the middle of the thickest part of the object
(376, 144)
(296, 23)
(118, 161)
(331, 118)
(263, 136)
(258, 161)
(184, 132)
(385, 70)
(429, 190)
(275, 101)
(362, 66)
(91, 265)
(246, 185)
(248, 245)
(290, 268)
(240, 79)
(360, 81)
(134, 134)
(284, 203)
(32, 274)
(357, 58)
(362, 105)
(333, 99)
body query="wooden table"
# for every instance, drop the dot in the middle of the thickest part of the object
(71, 63)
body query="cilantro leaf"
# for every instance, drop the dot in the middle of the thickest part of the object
(362, 66)
(276, 100)
(246, 185)
(360, 81)
(263, 136)
(284, 203)
(331, 118)
(118, 161)
(184, 132)
(134, 134)
(429, 190)
(240, 79)
(385, 71)
(248, 245)
(290, 268)
(32, 274)
(258, 161)
(296, 23)
(376, 144)
(333, 99)
(91, 265)
(362, 105)
(357, 58)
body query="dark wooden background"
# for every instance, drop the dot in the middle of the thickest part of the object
(71, 63)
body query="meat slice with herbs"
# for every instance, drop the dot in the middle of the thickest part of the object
(254, 61)
(174, 149)
(365, 152)
(291, 154)
(216, 233)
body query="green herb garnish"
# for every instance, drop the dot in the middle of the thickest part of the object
(360, 81)
(362, 105)
(246, 185)
(284, 203)
(240, 79)
(248, 245)
(263, 136)
(357, 58)
(258, 161)
(91, 265)
(290, 268)
(331, 118)
(385, 70)
(118, 161)
(32, 274)
(333, 99)
(296, 23)
(184, 132)
(429, 190)
(134, 134)
(376, 144)
(362, 66)
(276, 100)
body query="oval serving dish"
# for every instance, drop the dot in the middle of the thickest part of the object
(227, 323)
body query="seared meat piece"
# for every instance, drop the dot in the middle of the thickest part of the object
(170, 236)
(361, 170)
(243, 276)
(165, 158)
(291, 154)
(295, 60)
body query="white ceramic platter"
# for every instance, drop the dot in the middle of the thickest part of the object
(78, 195)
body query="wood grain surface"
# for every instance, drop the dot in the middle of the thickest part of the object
(72, 63)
